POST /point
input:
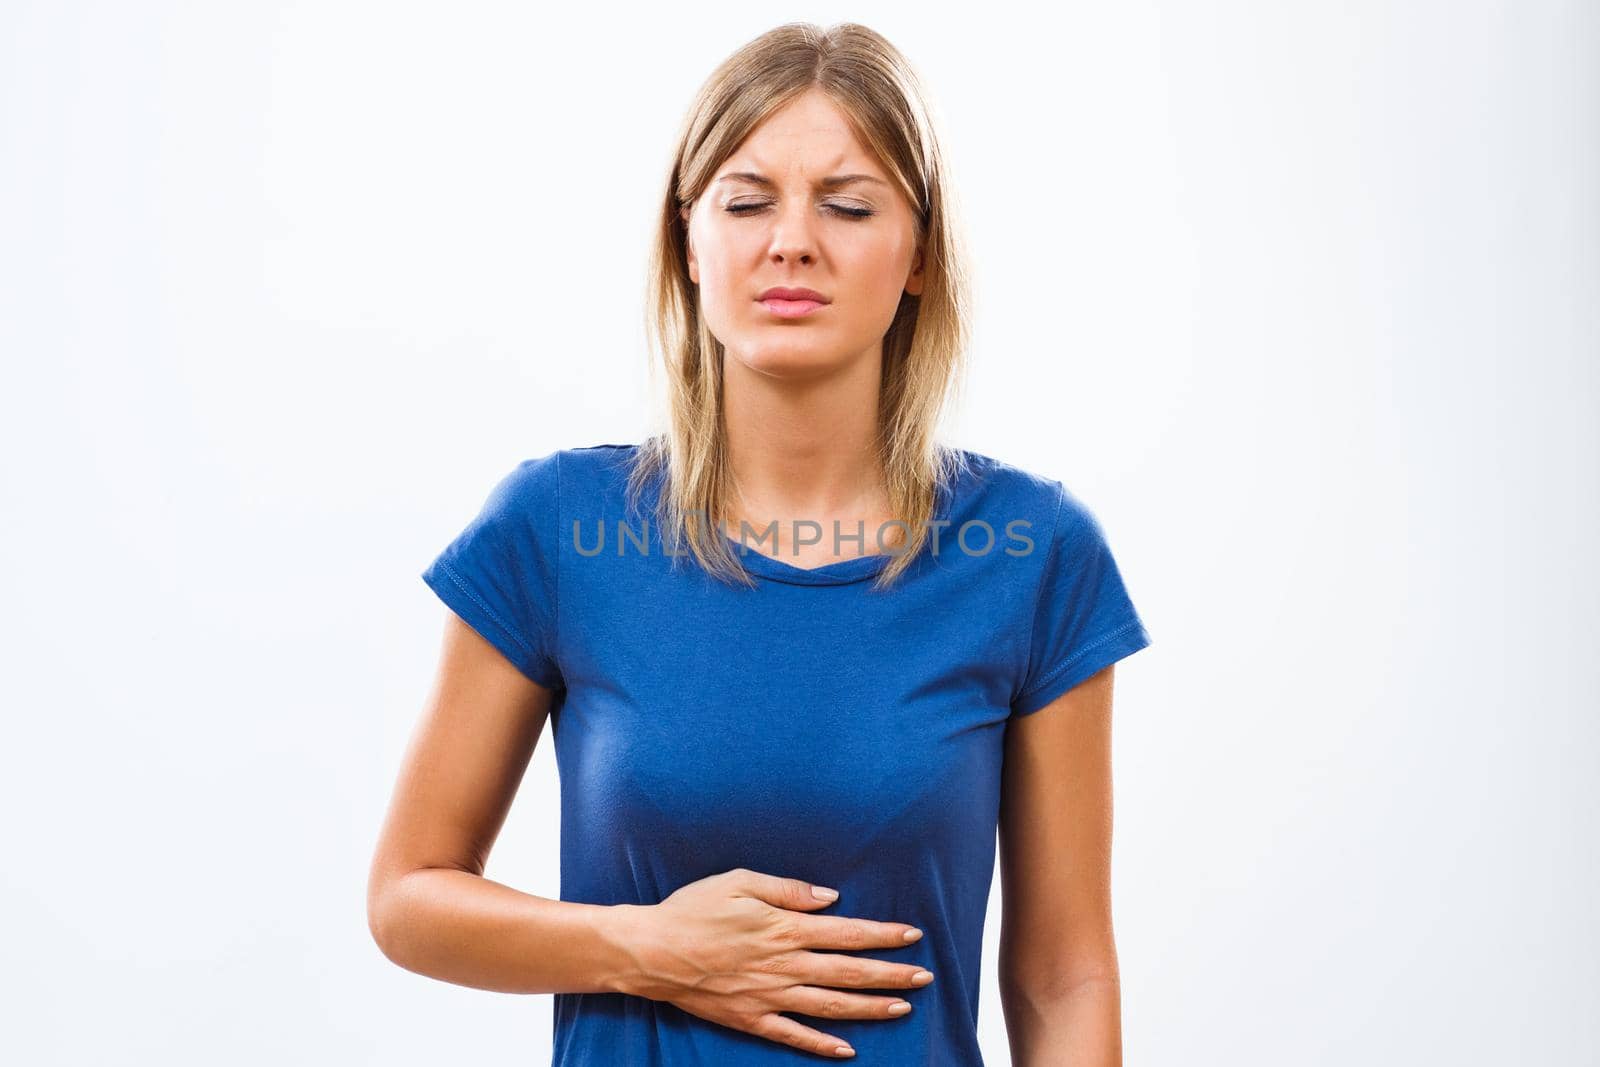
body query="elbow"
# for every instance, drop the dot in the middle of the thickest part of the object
(1044, 987)
(1034, 973)
(383, 918)
(378, 920)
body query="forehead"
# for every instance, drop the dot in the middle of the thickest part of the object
(808, 137)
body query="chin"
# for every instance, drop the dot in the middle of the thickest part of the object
(794, 359)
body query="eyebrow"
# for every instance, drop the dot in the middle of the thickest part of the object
(832, 182)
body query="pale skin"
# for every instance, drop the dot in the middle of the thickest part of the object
(750, 949)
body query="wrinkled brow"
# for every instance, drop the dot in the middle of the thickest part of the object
(831, 182)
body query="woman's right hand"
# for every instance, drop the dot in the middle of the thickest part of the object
(736, 948)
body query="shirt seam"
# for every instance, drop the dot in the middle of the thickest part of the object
(1072, 660)
(1044, 574)
(510, 631)
(555, 594)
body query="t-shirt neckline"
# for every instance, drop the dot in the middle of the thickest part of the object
(839, 572)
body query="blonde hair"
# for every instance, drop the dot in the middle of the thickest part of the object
(925, 345)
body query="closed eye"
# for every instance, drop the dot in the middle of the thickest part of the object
(747, 209)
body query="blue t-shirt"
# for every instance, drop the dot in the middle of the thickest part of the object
(810, 727)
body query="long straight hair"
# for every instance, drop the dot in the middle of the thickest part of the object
(924, 348)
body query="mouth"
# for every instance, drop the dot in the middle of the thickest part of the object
(791, 309)
(789, 303)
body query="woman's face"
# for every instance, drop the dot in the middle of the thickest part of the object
(770, 218)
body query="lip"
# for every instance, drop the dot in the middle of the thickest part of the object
(787, 303)
(779, 292)
(791, 309)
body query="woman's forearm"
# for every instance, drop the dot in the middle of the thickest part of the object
(1078, 1026)
(465, 929)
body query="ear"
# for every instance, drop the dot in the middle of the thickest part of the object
(688, 241)
(915, 279)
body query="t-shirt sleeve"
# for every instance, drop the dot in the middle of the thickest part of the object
(1084, 620)
(500, 573)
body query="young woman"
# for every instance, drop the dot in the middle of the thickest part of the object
(786, 736)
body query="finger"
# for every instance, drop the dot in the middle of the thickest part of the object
(786, 1031)
(792, 893)
(854, 972)
(841, 931)
(835, 1004)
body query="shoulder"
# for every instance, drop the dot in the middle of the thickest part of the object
(598, 457)
(544, 478)
(1003, 484)
(1045, 502)
(996, 476)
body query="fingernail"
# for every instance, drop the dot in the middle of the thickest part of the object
(826, 894)
(844, 1050)
(899, 1007)
(922, 978)
(912, 935)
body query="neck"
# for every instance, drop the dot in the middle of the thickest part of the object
(803, 448)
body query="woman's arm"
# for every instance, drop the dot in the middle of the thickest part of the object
(1059, 983)
(428, 905)
(736, 948)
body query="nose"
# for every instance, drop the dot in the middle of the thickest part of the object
(792, 240)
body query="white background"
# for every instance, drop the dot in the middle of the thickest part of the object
(1302, 299)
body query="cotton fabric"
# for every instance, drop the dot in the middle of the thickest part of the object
(811, 727)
